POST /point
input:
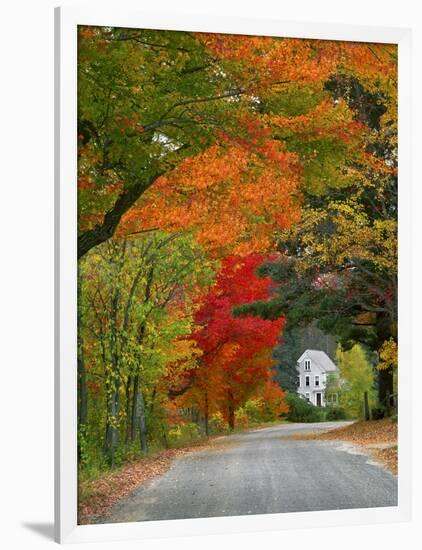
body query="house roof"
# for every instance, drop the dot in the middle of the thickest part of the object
(320, 358)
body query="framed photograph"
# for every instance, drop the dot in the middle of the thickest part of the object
(232, 275)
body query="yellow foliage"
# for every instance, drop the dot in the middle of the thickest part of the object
(388, 355)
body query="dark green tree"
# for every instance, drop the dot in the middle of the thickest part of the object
(286, 355)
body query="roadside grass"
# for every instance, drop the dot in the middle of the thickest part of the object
(377, 437)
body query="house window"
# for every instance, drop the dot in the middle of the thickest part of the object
(317, 380)
(307, 396)
(298, 381)
(307, 364)
(307, 380)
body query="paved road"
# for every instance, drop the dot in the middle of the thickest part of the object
(259, 472)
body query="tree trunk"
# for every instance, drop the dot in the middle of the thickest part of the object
(134, 413)
(82, 391)
(386, 389)
(194, 415)
(113, 427)
(112, 433)
(231, 411)
(206, 414)
(81, 385)
(365, 406)
(110, 438)
(114, 401)
(128, 415)
(142, 424)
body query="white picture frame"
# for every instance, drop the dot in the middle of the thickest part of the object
(66, 528)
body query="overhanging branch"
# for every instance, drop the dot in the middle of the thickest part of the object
(104, 231)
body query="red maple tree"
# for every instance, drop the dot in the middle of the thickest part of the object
(236, 352)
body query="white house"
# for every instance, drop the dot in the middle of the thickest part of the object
(313, 368)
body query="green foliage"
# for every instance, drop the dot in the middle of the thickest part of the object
(241, 418)
(136, 310)
(335, 413)
(301, 410)
(217, 424)
(332, 389)
(295, 101)
(357, 377)
(368, 107)
(286, 355)
(253, 410)
(183, 434)
(137, 114)
(258, 411)
(83, 446)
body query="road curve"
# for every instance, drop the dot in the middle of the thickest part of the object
(262, 471)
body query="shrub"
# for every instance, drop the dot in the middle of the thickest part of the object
(301, 410)
(183, 434)
(217, 424)
(268, 405)
(335, 413)
(91, 462)
(241, 418)
(253, 408)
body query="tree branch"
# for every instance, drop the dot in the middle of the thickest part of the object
(150, 44)
(101, 233)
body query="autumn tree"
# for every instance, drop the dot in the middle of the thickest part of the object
(203, 155)
(338, 265)
(236, 353)
(356, 377)
(137, 300)
(146, 100)
(233, 200)
(268, 401)
(234, 94)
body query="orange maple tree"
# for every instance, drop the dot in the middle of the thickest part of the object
(233, 200)
(209, 152)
